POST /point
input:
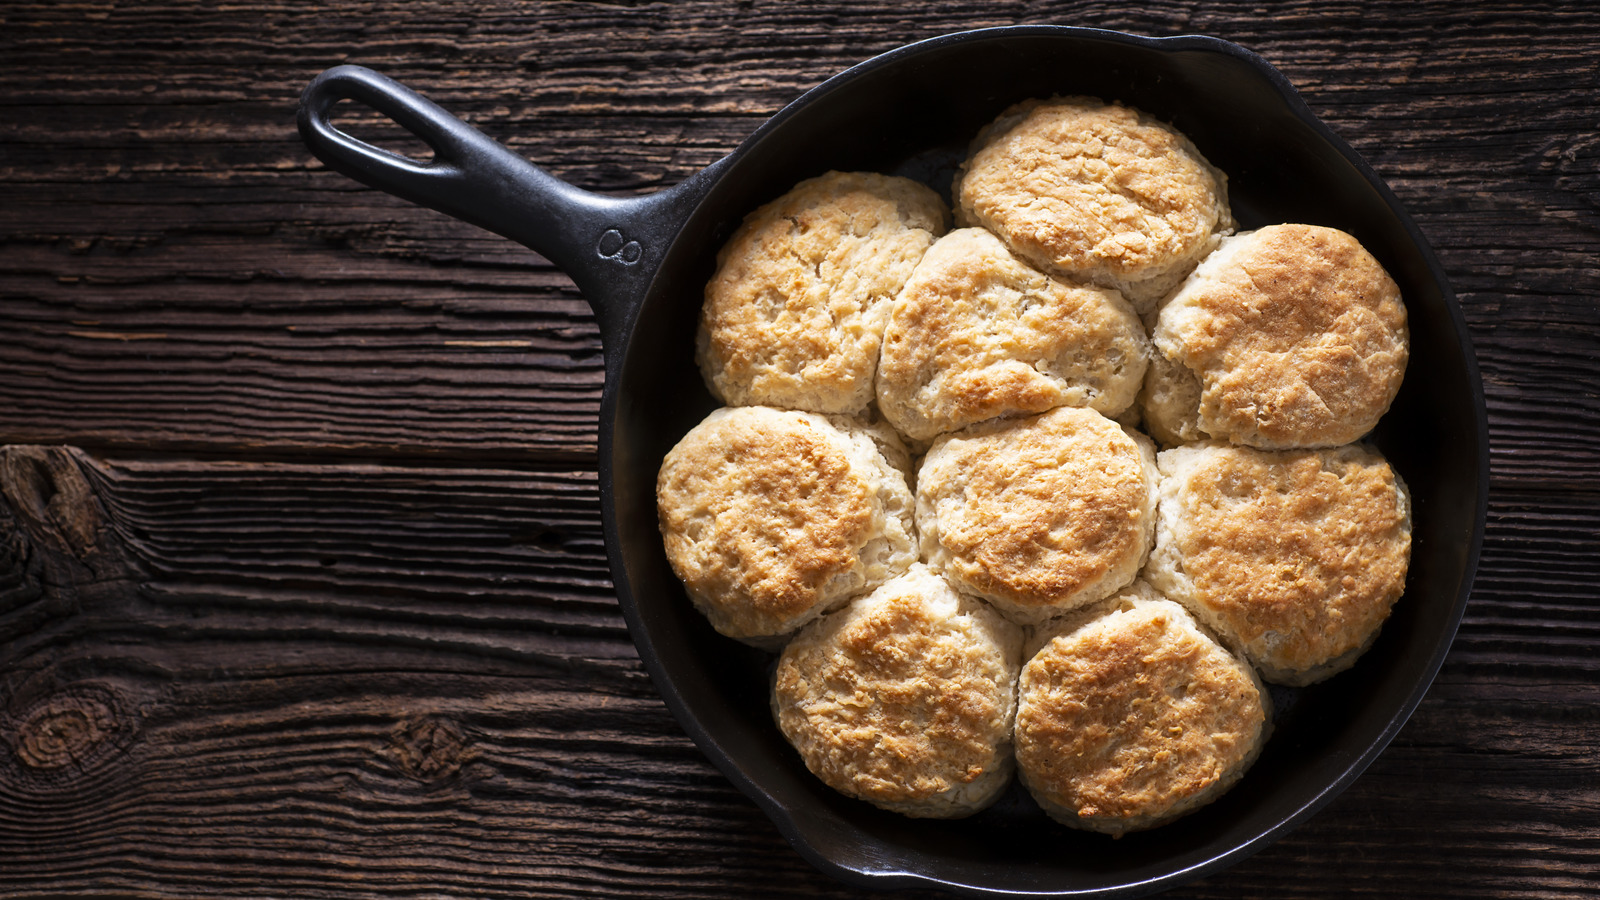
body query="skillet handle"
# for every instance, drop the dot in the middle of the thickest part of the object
(610, 246)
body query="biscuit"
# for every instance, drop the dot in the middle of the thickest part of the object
(794, 314)
(1169, 401)
(1038, 515)
(1095, 192)
(978, 333)
(1293, 557)
(905, 698)
(1129, 715)
(770, 517)
(1294, 334)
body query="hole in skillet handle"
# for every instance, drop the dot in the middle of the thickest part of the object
(610, 246)
(380, 133)
(419, 181)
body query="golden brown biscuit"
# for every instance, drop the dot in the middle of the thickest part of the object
(770, 517)
(978, 333)
(1096, 192)
(1129, 715)
(1038, 515)
(1293, 557)
(794, 314)
(905, 697)
(1294, 334)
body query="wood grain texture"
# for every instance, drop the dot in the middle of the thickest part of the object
(302, 584)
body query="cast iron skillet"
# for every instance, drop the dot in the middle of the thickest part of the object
(642, 263)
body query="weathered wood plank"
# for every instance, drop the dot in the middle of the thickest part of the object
(473, 565)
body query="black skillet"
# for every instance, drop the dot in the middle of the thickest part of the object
(642, 263)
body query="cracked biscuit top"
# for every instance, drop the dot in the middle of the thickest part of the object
(1294, 557)
(978, 333)
(905, 697)
(1038, 515)
(1292, 335)
(794, 315)
(771, 517)
(1131, 715)
(1097, 192)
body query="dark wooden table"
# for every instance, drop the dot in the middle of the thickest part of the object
(302, 585)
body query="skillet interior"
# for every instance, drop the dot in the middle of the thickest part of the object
(912, 112)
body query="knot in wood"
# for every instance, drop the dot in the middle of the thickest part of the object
(430, 748)
(49, 492)
(64, 730)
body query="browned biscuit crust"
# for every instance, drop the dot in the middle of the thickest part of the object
(1296, 335)
(794, 315)
(1295, 557)
(772, 516)
(1096, 192)
(1129, 715)
(1038, 515)
(905, 697)
(977, 333)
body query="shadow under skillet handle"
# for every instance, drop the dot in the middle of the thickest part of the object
(609, 246)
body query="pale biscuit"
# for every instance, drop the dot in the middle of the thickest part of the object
(1293, 557)
(771, 517)
(977, 333)
(1130, 715)
(794, 314)
(1096, 192)
(1294, 335)
(1038, 515)
(1169, 400)
(905, 698)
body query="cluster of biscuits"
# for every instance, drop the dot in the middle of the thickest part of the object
(929, 489)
